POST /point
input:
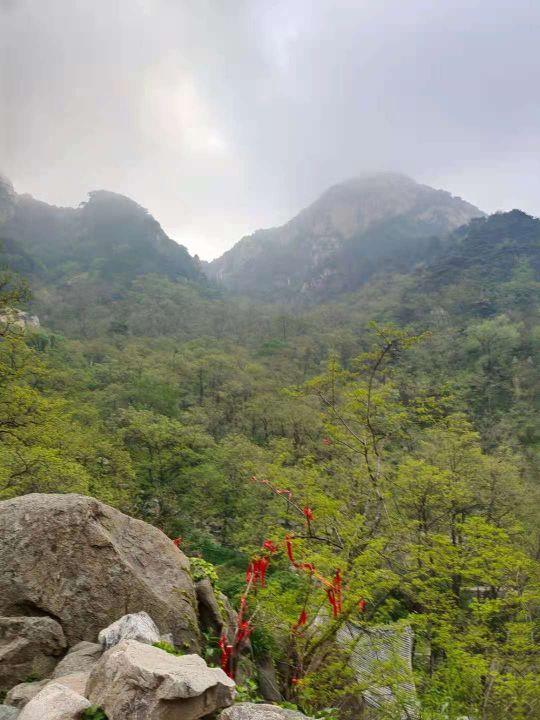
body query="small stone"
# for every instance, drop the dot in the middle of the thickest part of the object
(55, 702)
(135, 626)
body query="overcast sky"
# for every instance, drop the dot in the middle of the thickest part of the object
(222, 116)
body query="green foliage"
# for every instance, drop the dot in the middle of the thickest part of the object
(33, 677)
(248, 692)
(201, 569)
(94, 713)
(167, 647)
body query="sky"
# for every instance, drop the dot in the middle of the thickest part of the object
(224, 116)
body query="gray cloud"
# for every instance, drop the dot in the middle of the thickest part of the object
(223, 116)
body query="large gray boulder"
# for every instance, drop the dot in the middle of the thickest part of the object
(259, 711)
(28, 646)
(80, 658)
(86, 564)
(133, 681)
(136, 626)
(55, 702)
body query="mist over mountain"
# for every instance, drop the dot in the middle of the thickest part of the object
(379, 222)
(109, 236)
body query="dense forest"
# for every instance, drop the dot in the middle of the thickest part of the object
(379, 449)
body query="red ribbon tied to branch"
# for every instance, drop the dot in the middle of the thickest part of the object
(243, 631)
(288, 493)
(334, 594)
(226, 656)
(337, 589)
(302, 620)
(270, 546)
(256, 571)
(288, 543)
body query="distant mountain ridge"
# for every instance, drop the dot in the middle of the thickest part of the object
(107, 267)
(107, 236)
(383, 221)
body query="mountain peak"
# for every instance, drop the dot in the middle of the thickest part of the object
(108, 197)
(381, 177)
(365, 224)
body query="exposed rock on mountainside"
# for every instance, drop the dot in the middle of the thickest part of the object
(85, 564)
(14, 318)
(356, 228)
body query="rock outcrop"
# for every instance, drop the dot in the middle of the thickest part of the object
(134, 681)
(28, 646)
(136, 626)
(55, 702)
(85, 564)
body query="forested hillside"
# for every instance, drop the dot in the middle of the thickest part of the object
(387, 438)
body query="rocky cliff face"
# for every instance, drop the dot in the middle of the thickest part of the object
(382, 221)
